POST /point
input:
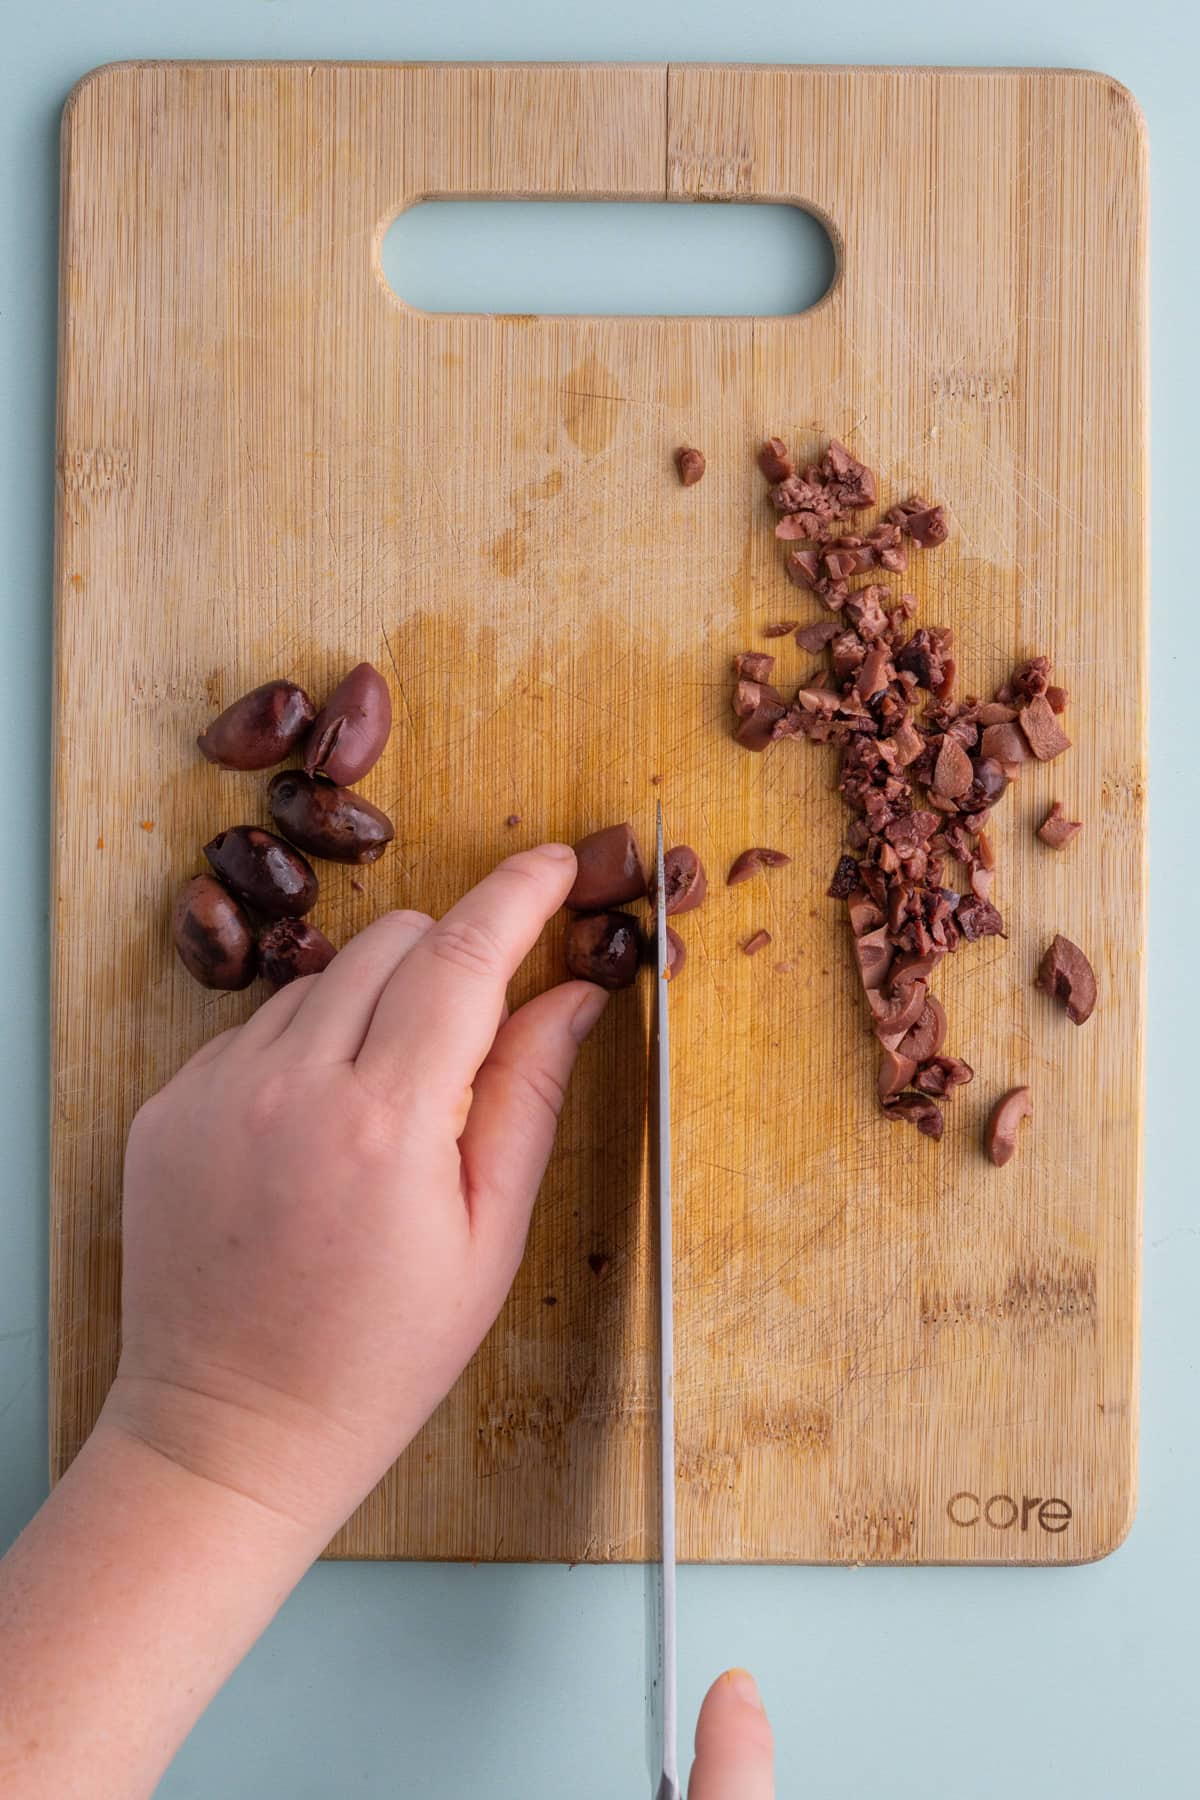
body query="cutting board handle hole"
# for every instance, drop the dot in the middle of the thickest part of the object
(647, 258)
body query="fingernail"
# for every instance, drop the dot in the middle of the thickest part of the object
(587, 1012)
(745, 1687)
(560, 852)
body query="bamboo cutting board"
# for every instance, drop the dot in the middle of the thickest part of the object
(888, 1351)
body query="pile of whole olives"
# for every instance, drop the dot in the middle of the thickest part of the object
(247, 917)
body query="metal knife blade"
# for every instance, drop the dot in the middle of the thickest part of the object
(668, 1787)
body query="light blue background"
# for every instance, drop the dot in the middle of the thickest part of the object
(381, 1680)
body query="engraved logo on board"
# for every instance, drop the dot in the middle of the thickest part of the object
(1004, 1512)
(982, 386)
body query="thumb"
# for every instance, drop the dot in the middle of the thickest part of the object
(518, 1094)
(735, 1752)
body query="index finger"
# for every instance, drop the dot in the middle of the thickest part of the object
(438, 1015)
(735, 1752)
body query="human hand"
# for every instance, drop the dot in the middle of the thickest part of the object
(735, 1752)
(325, 1209)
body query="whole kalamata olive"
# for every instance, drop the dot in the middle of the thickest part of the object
(604, 948)
(263, 871)
(351, 728)
(213, 935)
(260, 729)
(291, 948)
(609, 869)
(328, 821)
(684, 877)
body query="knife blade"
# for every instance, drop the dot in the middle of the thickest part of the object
(668, 1787)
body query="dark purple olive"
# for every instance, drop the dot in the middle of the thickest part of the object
(686, 882)
(604, 948)
(328, 821)
(351, 728)
(213, 935)
(610, 870)
(260, 729)
(291, 948)
(263, 871)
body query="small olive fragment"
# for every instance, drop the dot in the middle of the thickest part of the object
(604, 948)
(213, 935)
(751, 861)
(896, 1014)
(928, 1034)
(684, 879)
(691, 465)
(291, 948)
(895, 1073)
(1066, 974)
(328, 821)
(260, 729)
(988, 782)
(263, 871)
(352, 727)
(874, 953)
(1000, 1135)
(676, 953)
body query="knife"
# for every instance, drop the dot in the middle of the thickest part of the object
(668, 1787)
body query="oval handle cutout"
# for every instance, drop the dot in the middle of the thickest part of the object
(657, 258)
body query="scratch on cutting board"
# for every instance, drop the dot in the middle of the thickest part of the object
(450, 525)
(391, 658)
(808, 1243)
(333, 546)
(617, 399)
(711, 971)
(746, 1175)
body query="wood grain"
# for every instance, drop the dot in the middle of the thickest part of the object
(267, 464)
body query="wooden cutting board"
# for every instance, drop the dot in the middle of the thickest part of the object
(888, 1351)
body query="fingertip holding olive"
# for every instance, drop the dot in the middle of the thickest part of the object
(213, 935)
(328, 821)
(609, 869)
(352, 728)
(262, 870)
(291, 948)
(259, 729)
(604, 948)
